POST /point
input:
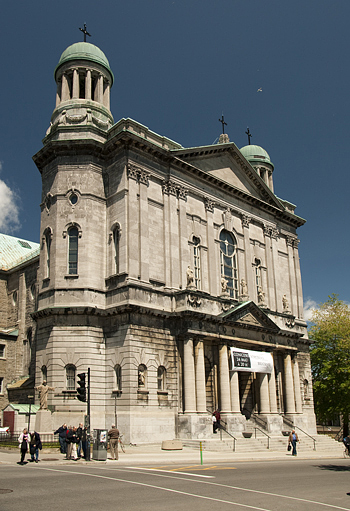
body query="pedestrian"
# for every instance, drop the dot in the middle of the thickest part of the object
(75, 441)
(293, 439)
(24, 441)
(79, 443)
(213, 418)
(35, 445)
(218, 417)
(62, 433)
(69, 438)
(113, 435)
(84, 443)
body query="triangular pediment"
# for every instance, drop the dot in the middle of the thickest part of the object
(227, 164)
(249, 315)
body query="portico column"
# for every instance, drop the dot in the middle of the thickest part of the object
(264, 394)
(288, 384)
(189, 377)
(234, 384)
(99, 89)
(272, 389)
(200, 377)
(225, 398)
(297, 391)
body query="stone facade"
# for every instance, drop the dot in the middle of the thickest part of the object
(155, 260)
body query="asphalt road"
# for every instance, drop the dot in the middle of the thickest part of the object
(273, 485)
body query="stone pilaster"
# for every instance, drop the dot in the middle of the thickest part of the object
(200, 377)
(189, 377)
(288, 384)
(225, 398)
(297, 390)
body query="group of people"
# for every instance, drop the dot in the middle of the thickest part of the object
(29, 442)
(73, 441)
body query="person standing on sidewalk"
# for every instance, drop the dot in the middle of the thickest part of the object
(113, 435)
(35, 445)
(293, 439)
(62, 431)
(24, 441)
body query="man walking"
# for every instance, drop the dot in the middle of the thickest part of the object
(113, 435)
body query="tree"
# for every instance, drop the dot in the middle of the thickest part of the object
(330, 359)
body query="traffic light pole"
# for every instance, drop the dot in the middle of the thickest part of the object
(88, 454)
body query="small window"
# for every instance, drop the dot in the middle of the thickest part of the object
(2, 350)
(228, 260)
(70, 377)
(44, 373)
(118, 377)
(48, 253)
(1, 385)
(142, 376)
(116, 236)
(73, 198)
(161, 378)
(14, 298)
(73, 251)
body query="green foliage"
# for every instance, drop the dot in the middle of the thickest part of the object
(330, 358)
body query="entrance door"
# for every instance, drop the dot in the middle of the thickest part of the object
(247, 393)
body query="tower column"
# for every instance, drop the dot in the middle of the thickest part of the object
(88, 87)
(99, 89)
(225, 398)
(189, 377)
(65, 88)
(75, 90)
(289, 385)
(106, 95)
(200, 377)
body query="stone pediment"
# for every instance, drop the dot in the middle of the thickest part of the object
(249, 315)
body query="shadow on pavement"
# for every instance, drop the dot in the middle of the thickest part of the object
(335, 468)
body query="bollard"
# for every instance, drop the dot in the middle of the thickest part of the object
(201, 452)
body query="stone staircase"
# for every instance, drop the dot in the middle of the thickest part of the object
(325, 445)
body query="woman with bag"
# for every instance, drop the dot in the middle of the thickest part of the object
(23, 440)
(35, 445)
(293, 439)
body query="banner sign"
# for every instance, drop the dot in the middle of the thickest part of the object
(251, 361)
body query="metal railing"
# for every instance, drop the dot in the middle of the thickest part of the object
(222, 428)
(264, 433)
(293, 426)
(11, 440)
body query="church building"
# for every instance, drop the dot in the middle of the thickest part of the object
(172, 273)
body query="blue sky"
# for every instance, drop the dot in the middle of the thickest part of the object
(180, 64)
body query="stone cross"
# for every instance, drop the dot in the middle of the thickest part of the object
(223, 123)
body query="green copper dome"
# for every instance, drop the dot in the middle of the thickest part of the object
(84, 51)
(256, 154)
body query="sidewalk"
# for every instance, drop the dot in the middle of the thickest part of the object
(150, 455)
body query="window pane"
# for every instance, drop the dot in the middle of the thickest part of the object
(73, 251)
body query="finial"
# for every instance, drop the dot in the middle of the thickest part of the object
(223, 123)
(85, 32)
(249, 135)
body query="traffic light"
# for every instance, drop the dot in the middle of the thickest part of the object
(81, 389)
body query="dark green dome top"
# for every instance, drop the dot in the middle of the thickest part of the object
(84, 51)
(256, 154)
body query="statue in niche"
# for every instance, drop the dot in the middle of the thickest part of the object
(261, 295)
(141, 378)
(223, 285)
(190, 277)
(43, 393)
(244, 288)
(285, 303)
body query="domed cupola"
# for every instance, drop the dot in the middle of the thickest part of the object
(260, 160)
(84, 80)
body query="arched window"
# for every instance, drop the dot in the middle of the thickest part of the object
(257, 265)
(116, 236)
(228, 262)
(73, 251)
(161, 378)
(142, 376)
(117, 377)
(70, 377)
(197, 262)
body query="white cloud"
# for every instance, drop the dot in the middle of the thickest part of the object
(9, 211)
(309, 306)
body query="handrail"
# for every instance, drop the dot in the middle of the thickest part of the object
(297, 427)
(268, 436)
(234, 438)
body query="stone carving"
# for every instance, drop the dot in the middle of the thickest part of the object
(244, 288)
(209, 204)
(223, 285)
(141, 378)
(246, 220)
(140, 175)
(43, 393)
(190, 277)
(194, 300)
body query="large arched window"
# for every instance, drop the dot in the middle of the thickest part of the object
(47, 251)
(228, 262)
(117, 377)
(116, 236)
(161, 378)
(70, 377)
(73, 250)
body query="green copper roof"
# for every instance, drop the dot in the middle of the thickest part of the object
(255, 153)
(84, 51)
(15, 251)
